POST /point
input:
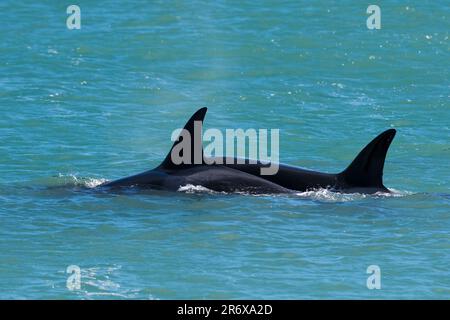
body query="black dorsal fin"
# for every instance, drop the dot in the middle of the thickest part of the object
(366, 170)
(187, 149)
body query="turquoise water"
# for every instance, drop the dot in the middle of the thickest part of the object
(79, 107)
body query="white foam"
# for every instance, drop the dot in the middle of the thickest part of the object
(332, 196)
(190, 188)
(92, 182)
(396, 193)
(83, 182)
(97, 281)
(326, 195)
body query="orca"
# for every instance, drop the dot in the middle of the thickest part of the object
(363, 175)
(171, 176)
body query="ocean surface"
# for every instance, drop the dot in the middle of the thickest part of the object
(80, 107)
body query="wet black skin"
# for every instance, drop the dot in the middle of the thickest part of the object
(363, 175)
(214, 177)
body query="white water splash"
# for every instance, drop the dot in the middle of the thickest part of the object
(98, 281)
(325, 195)
(92, 182)
(190, 188)
(81, 181)
(332, 196)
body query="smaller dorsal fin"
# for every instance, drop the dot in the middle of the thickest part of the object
(366, 170)
(187, 149)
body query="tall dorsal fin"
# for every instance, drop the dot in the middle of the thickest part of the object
(187, 149)
(366, 170)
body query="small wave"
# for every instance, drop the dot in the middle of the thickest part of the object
(98, 282)
(190, 188)
(92, 182)
(73, 180)
(397, 193)
(328, 195)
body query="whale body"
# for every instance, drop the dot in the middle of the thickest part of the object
(363, 175)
